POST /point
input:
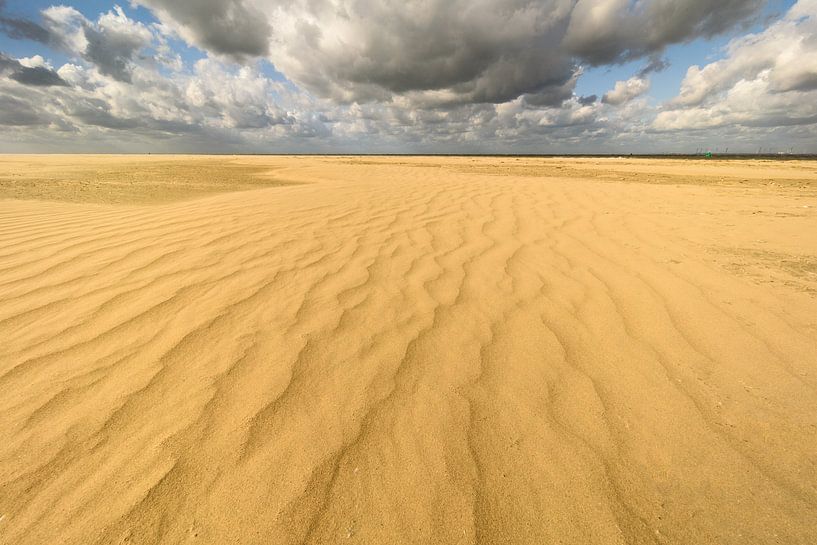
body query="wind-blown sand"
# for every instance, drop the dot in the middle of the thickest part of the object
(407, 350)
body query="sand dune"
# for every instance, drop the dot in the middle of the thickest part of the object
(408, 350)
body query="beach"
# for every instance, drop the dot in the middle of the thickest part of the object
(389, 350)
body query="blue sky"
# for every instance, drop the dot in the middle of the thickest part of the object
(665, 84)
(90, 9)
(432, 91)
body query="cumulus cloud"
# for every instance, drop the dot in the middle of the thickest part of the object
(604, 31)
(114, 41)
(123, 84)
(625, 91)
(765, 79)
(17, 112)
(655, 64)
(30, 72)
(384, 75)
(242, 99)
(111, 43)
(784, 52)
(233, 28)
(444, 52)
(21, 28)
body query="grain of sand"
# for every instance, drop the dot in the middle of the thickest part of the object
(407, 350)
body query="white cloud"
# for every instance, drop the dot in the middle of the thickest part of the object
(443, 52)
(111, 43)
(625, 91)
(35, 61)
(383, 75)
(767, 79)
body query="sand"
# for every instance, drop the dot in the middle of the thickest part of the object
(407, 350)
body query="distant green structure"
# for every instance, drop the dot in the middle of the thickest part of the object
(709, 155)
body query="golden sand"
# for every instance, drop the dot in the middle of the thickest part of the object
(407, 350)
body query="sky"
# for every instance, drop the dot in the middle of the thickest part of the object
(408, 76)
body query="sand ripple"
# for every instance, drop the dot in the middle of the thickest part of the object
(404, 352)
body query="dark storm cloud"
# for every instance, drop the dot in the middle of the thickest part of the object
(111, 52)
(438, 52)
(655, 64)
(588, 100)
(7, 63)
(20, 28)
(445, 52)
(448, 52)
(38, 76)
(17, 113)
(606, 31)
(227, 27)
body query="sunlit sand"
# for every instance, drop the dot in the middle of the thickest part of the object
(391, 350)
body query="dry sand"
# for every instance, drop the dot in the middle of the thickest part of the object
(407, 350)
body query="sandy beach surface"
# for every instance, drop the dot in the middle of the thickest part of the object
(389, 350)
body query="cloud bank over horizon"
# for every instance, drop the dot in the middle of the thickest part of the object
(387, 76)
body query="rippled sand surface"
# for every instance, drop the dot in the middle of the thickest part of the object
(429, 350)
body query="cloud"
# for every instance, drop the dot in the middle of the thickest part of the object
(605, 31)
(37, 75)
(19, 113)
(655, 64)
(383, 75)
(625, 91)
(20, 28)
(241, 99)
(210, 103)
(97, 112)
(227, 27)
(441, 53)
(111, 43)
(765, 79)
(114, 41)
